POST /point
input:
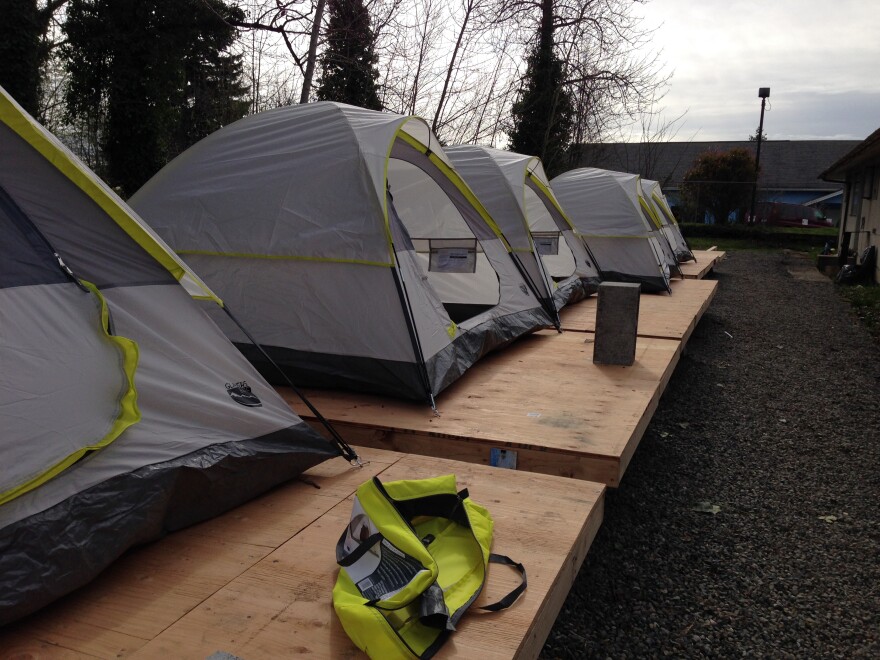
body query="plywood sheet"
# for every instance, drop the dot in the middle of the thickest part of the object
(706, 260)
(280, 605)
(668, 316)
(541, 397)
(150, 588)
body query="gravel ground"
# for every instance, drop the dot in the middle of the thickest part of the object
(773, 416)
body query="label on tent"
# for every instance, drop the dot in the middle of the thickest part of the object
(546, 243)
(503, 458)
(453, 260)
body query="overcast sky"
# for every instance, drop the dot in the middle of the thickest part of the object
(821, 60)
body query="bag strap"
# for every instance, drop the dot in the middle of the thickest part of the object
(510, 598)
(441, 505)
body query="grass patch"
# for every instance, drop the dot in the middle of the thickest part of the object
(865, 301)
(811, 231)
(744, 237)
(726, 244)
(733, 244)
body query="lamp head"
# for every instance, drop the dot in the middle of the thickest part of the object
(763, 92)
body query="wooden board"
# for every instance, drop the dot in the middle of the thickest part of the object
(148, 590)
(257, 581)
(668, 316)
(542, 398)
(706, 260)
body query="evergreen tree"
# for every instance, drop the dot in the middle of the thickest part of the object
(543, 111)
(214, 93)
(151, 77)
(348, 63)
(21, 52)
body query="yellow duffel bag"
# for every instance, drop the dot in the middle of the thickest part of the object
(413, 558)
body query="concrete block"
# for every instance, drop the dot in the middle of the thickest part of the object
(617, 323)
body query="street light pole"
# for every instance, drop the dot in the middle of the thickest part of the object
(763, 94)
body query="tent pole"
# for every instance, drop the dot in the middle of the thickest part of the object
(347, 452)
(414, 337)
(546, 303)
(407, 308)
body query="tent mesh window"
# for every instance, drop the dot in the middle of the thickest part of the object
(546, 242)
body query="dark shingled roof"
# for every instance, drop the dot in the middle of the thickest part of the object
(785, 164)
(865, 151)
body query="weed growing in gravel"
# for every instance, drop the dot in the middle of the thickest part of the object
(865, 301)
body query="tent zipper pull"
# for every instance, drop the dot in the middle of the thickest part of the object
(66, 270)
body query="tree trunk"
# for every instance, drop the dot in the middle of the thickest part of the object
(313, 53)
(451, 68)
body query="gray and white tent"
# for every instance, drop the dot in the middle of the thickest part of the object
(125, 412)
(655, 197)
(631, 182)
(607, 208)
(347, 244)
(516, 191)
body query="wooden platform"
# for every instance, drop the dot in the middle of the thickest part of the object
(541, 398)
(257, 581)
(706, 260)
(660, 315)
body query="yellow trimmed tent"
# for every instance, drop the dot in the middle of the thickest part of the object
(608, 209)
(125, 412)
(669, 225)
(517, 192)
(348, 245)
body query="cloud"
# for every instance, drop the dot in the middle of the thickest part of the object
(819, 60)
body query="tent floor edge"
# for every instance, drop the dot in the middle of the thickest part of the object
(89, 530)
(472, 344)
(330, 371)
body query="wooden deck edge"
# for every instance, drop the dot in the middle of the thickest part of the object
(630, 449)
(601, 468)
(556, 462)
(699, 315)
(707, 265)
(702, 273)
(542, 624)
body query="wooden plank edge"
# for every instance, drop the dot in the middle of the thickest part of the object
(539, 630)
(650, 409)
(555, 462)
(46, 640)
(699, 315)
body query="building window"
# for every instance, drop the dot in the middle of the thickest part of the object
(855, 196)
